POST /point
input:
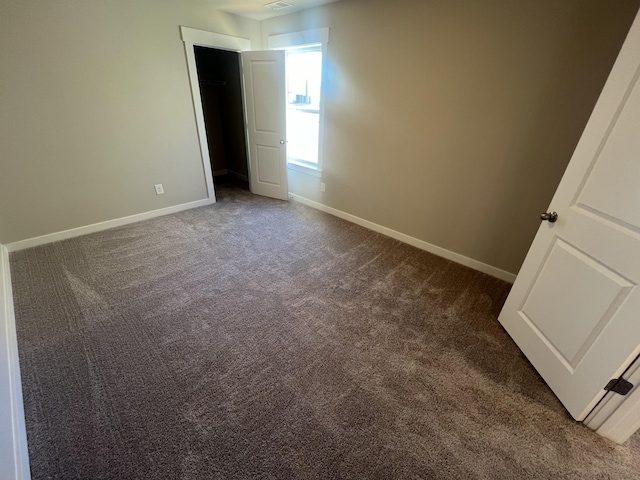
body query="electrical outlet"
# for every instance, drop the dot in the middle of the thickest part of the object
(322, 187)
(159, 189)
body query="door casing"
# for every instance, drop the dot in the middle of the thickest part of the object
(192, 37)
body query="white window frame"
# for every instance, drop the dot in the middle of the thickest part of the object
(286, 41)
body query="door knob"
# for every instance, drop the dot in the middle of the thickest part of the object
(281, 142)
(549, 216)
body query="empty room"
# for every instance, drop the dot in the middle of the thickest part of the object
(319, 239)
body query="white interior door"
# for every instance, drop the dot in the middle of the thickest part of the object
(264, 90)
(574, 309)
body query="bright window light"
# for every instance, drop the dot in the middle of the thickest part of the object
(304, 74)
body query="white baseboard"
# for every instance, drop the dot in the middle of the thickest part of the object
(239, 175)
(441, 252)
(226, 171)
(14, 454)
(97, 227)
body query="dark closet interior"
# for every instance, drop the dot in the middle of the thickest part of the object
(221, 93)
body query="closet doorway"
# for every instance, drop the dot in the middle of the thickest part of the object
(220, 83)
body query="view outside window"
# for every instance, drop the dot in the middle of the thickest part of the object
(304, 74)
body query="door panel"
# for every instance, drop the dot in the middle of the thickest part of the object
(618, 166)
(574, 308)
(555, 295)
(265, 77)
(268, 164)
(264, 87)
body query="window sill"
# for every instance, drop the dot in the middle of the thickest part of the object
(299, 167)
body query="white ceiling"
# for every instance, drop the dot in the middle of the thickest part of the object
(256, 8)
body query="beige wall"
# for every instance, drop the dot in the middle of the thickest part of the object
(450, 121)
(95, 108)
(453, 121)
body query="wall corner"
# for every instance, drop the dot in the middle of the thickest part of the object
(14, 454)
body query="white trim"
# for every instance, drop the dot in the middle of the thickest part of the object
(617, 417)
(298, 167)
(191, 37)
(97, 227)
(421, 244)
(194, 36)
(307, 37)
(298, 39)
(14, 460)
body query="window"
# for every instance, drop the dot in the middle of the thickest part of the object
(305, 57)
(304, 79)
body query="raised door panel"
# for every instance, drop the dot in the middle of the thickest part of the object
(265, 106)
(268, 159)
(572, 284)
(611, 188)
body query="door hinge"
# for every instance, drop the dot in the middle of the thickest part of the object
(619, 386)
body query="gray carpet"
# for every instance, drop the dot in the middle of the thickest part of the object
(262, 339)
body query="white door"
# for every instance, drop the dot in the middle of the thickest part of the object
(574, 309)
(264, 90)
